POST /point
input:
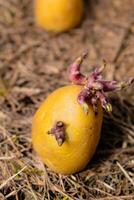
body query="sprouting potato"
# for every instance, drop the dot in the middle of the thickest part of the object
(67, 126)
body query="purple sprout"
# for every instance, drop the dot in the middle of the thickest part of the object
(94, 87)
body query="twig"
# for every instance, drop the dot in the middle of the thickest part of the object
(6, 158)
(106, 185)
(125, 173)
(12, 177)
(129, 197)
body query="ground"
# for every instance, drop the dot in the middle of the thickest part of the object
(33, 63)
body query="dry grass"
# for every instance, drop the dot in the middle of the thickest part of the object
(32, 64)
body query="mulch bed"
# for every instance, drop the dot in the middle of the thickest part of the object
(33, 63)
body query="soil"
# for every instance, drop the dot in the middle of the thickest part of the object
(33, 63)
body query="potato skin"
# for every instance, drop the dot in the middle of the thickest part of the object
(58, 15)
(82, 131)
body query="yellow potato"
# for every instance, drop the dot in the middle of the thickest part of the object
(82, 131)
(58, 15)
